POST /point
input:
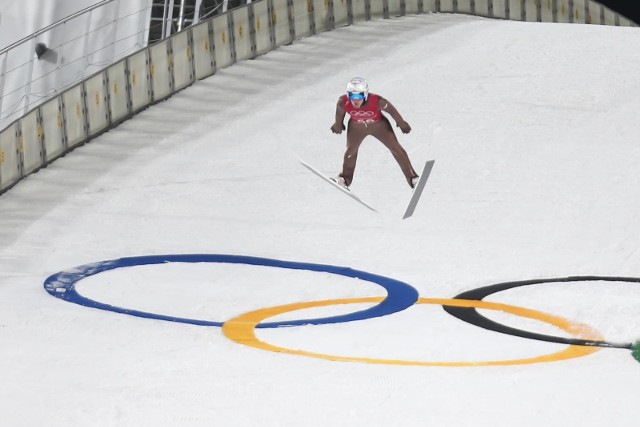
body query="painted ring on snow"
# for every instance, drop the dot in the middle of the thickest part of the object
(241, 330)
(471, 315)
(400, 295)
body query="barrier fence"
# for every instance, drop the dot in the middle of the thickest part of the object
(156, 72)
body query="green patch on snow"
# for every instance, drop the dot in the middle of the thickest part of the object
(635, 351)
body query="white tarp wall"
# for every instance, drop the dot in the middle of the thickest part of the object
(78, 47)
(99, 102)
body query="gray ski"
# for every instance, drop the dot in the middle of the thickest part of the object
(417, 192)
(335, 184)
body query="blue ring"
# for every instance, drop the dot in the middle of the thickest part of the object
(400, 295)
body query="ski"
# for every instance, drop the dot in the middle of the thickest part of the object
(335, 184)
(417, 191)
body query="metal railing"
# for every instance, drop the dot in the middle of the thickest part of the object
(165, 21)
(54, 25)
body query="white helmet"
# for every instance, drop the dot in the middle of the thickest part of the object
(358, 85)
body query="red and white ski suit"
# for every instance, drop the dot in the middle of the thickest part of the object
(369, 120)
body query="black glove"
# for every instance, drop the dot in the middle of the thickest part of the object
(338, 128)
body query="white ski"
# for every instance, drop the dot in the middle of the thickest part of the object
(417, 191)
(335, 184)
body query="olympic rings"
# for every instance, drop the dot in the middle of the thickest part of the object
(242, 330)
(399, 294)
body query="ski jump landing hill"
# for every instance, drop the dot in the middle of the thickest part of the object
(154, 73)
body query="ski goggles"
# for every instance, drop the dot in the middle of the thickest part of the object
(356, 96)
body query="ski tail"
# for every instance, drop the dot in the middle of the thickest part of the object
(345, 190)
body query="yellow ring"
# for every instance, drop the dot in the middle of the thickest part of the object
(241, 330)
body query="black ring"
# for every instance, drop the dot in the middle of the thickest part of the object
(471, 315)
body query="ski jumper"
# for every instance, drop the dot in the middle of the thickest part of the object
(369, 120)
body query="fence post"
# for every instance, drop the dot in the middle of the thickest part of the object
(29, 78)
